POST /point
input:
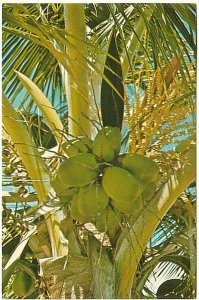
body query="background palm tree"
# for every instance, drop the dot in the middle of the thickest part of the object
(143, 54)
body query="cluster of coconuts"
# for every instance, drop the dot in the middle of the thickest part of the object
(98, 182)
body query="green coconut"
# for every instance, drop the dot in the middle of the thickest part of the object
(149, 191)
(120, 185)
(76, 214)
(23, 284)
(142, 167)
(64, 193)
(107, 143)
(81, 145)
(60, 189)
(108, 222)
(78, 170)
(92, 200)
(129, 207)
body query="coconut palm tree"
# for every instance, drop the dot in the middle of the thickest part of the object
(129, 66)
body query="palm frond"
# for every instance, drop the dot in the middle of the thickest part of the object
(34, 36)
(162, 118)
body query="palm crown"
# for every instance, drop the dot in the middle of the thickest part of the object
(130, 66)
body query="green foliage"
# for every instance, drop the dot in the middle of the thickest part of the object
(173, 289)
(151, 49)
(41, 133)
(23, 284)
